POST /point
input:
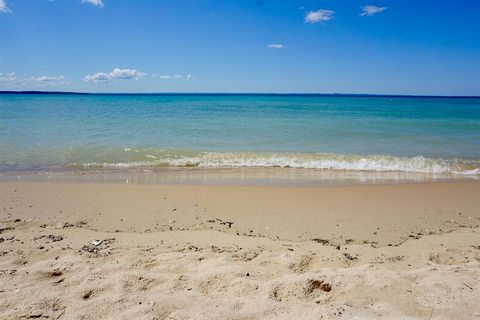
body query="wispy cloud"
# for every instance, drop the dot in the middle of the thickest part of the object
(12, 78)
(276, 46)
(61, 79)
(372, 10)
(188, 77)
(98, 3)
(3, 6)
(8, 77)
(318, 16)
(117, 73)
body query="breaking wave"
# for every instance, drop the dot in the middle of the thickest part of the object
(131, 158)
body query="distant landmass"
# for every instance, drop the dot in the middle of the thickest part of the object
(242, 94)
(41, 92)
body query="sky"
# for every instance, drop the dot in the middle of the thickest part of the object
(427, 47)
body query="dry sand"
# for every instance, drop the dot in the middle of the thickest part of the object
(404, 251)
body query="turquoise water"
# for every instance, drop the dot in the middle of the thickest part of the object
(406, 134)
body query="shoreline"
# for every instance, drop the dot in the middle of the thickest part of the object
(253, 176)
(176, 251)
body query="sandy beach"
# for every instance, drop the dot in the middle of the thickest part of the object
(393, 251)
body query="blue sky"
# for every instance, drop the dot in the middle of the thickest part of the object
(341, 46)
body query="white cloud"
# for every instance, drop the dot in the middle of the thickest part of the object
(318, 16)
(188, 77)
(117, 73)
(3, 6)
(126, 74)
(8, 76)
(276, 46)
(98, 3)
(97, 77)
(372, 10)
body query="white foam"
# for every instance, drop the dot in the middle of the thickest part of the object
(321, 161)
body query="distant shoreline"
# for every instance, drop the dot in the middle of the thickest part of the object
(346, 95)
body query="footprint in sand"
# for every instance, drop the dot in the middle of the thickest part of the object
(139, 283)
(454, 256)
(308, 289)
(301, 265)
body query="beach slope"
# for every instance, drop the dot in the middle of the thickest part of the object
(399, 251)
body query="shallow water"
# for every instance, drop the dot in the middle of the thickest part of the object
(377, 134)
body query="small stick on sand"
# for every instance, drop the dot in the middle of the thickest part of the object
(466, 285)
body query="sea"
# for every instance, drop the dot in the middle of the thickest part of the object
(289, 134)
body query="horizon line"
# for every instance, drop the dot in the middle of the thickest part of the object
(241, 93)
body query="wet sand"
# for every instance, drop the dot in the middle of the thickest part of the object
(396, 251)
